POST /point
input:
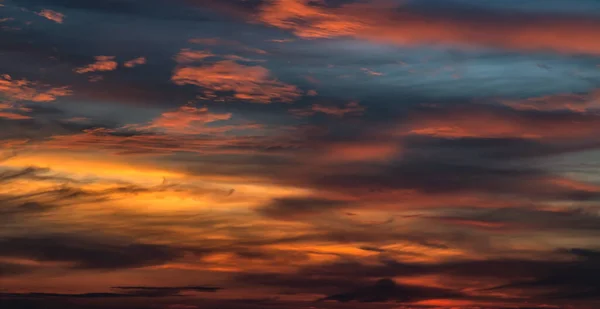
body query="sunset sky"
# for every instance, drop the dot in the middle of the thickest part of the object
(299, 154)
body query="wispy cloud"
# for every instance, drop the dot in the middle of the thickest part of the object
(381, 23)
(25, 90)
(135, 62)
(102, 64)
(52, 15)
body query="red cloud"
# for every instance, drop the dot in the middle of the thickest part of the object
(495, 124)
(52, 15)
(148, 143)
(24, 90)
(190, 56)
(135, 62)
(187, 120)
(252, 83)
(103, 63)
(363, 151)
(14, 116)
(401, 26)
(352, 108)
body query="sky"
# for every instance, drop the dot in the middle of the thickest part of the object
(299, 154)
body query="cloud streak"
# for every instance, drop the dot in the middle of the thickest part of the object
(514, 31)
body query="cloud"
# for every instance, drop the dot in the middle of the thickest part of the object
(424, 177)
(579, 103)
(382, 23)
(127, 291)
(387, 290)
(191, 56)
(371, 72)
(135, 62)
(28, 172)
(227, 43)
(247, 83)
(352, 109)
(148, 140)
(187, 120)
(568, 280)
(491, 122)
(52, 15)
(13, 269)
(13, 116)
(25, 90)
(87, 253)
(296, 208)
(102, 64)
(361, 151)
(522, 219)
(165, 291)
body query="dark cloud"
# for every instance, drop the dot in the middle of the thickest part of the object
(12, 269)
(88, 252)
(293, 208)
(436, 175)
(298, 283)
(164, 291)
(28, 172)
(374, 249)
(578, 279)
(388, 290)
(141, 291)
(578, 219)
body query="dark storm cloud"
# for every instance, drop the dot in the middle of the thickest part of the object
(88, 253)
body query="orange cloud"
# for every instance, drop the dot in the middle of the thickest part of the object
(401, 26)
(352, 108)
(24, 90)
(252, 83)
(143, 140)
(189, 56)
(13, 116)
(103, 63)
(105, 139)
(135, 62)
(308, 21)
(187, 120)
(52, 15)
